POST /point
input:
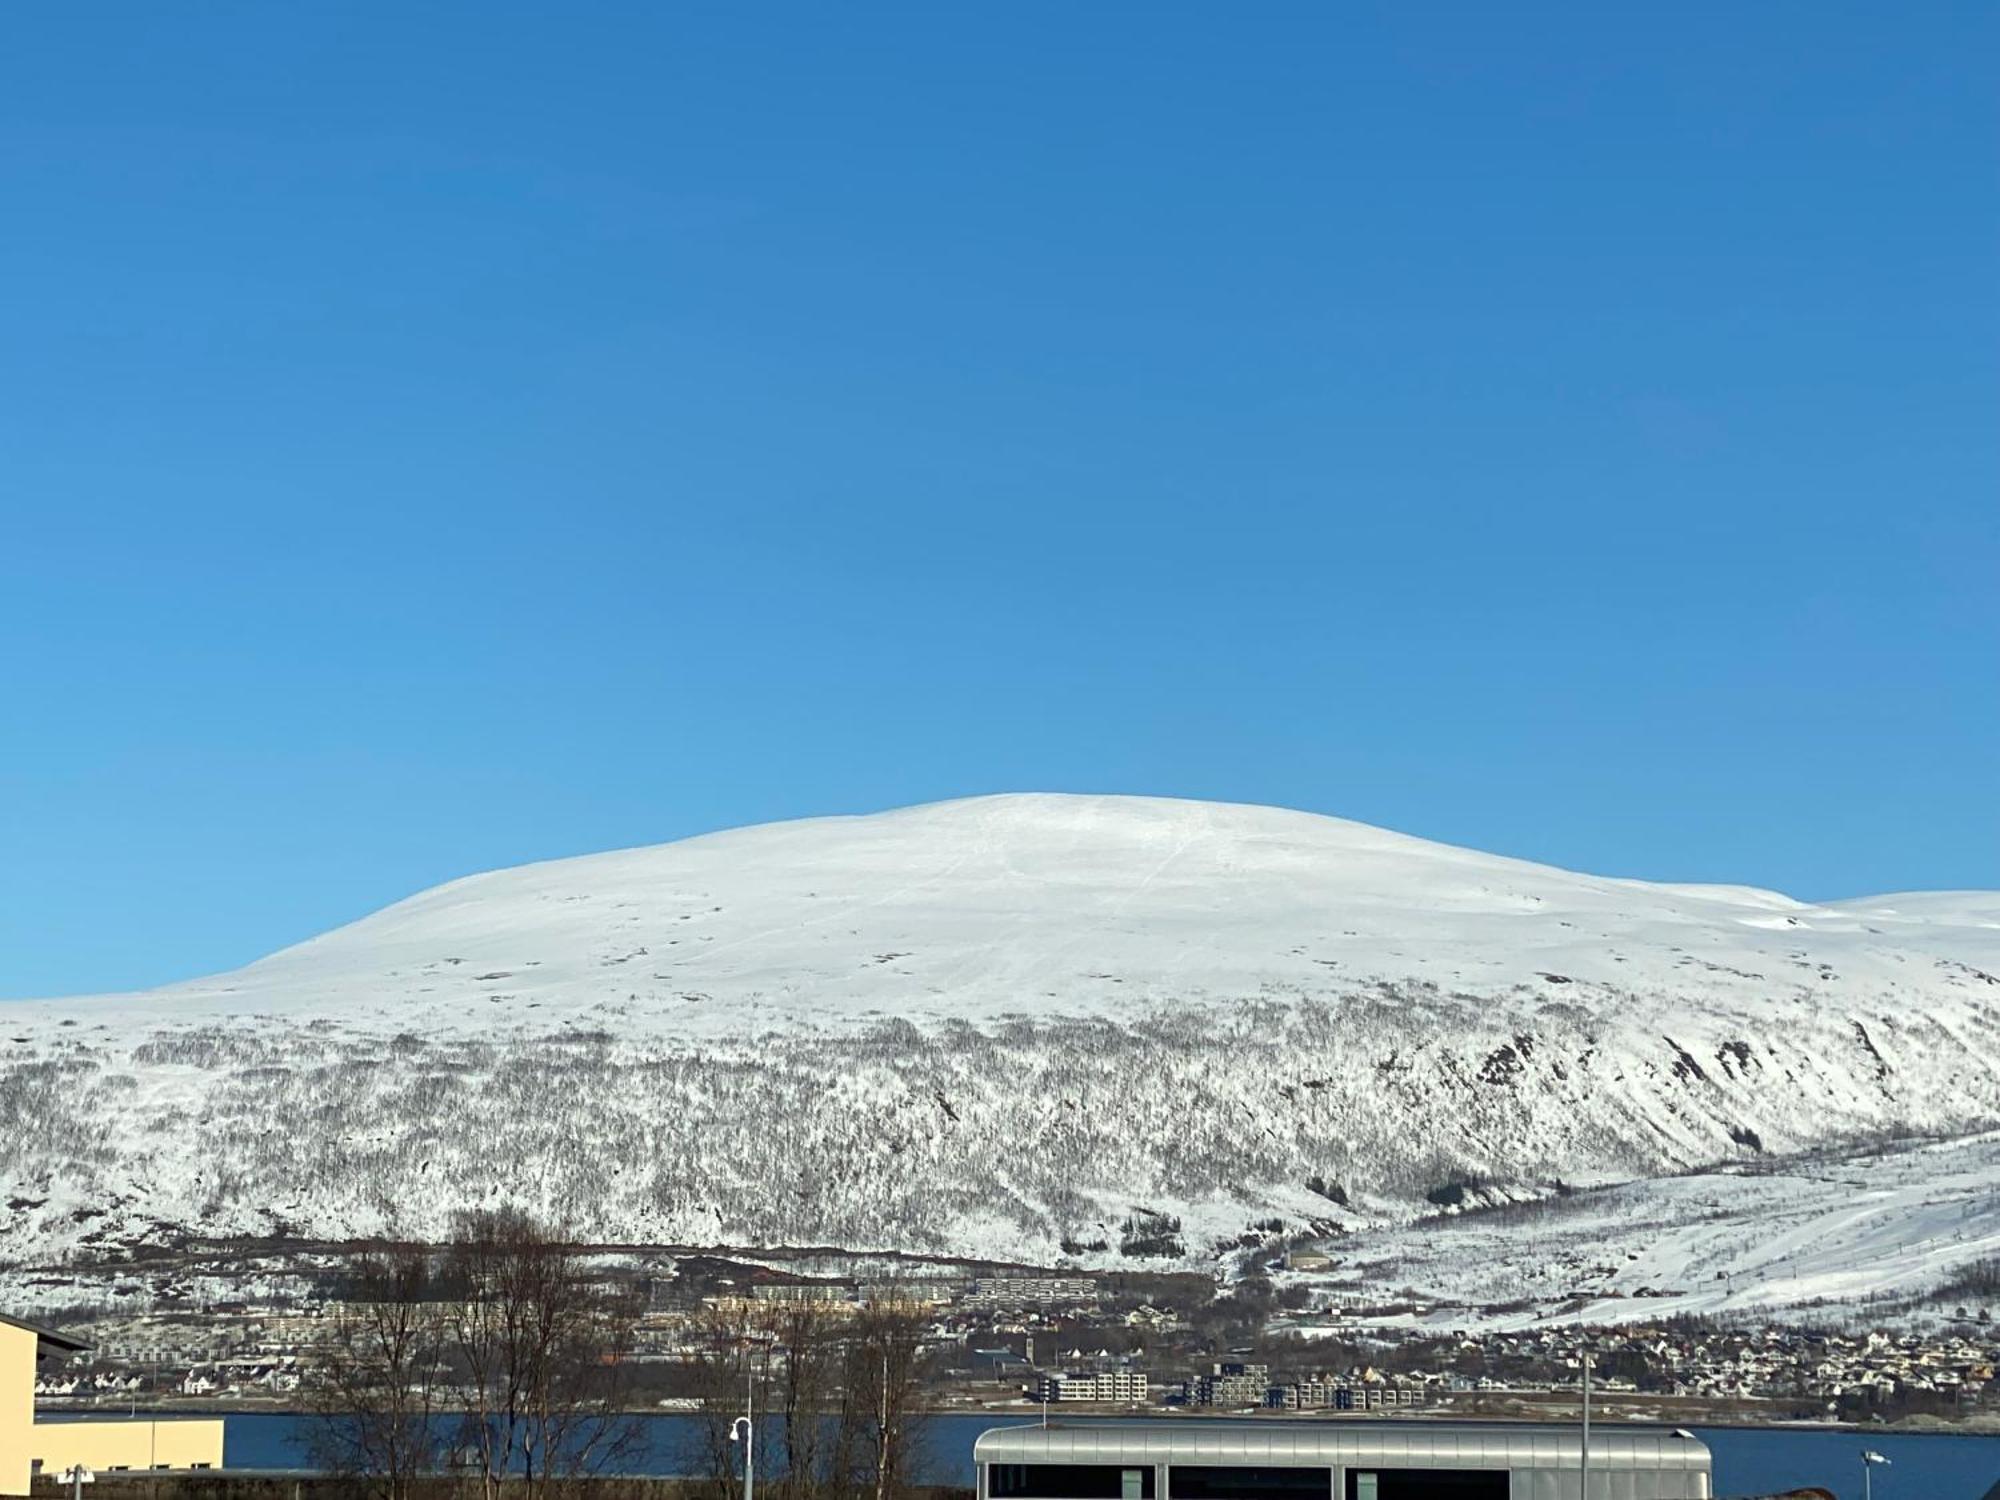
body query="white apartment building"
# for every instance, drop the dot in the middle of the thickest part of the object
(1125, 1387)
(1031, 1291)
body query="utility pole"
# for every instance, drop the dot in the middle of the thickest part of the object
(1584, 1490)
(882, 1447)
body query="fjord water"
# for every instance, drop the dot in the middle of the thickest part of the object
(1748, 1460)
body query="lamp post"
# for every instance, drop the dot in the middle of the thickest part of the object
(739, 1432)
(1583, 1487)
(1869, 1459)
(743, 1429)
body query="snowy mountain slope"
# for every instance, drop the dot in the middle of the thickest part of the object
(995, 1026)
(984, 907)
(1859, 1236)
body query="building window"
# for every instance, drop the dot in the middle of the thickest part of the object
(1427, 1484)
(1068, 1482)
(1207, 1482)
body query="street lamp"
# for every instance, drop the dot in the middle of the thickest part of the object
(743, 1430)
(1583, 1482)
(1869, 1458)
(739, 1432)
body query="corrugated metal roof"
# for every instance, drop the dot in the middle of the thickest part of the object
(1283, 1443)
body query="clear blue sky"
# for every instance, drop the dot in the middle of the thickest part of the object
(437, 437)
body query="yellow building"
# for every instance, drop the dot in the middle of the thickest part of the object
(28, 1447)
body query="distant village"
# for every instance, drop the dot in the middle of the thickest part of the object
(1123, 1342)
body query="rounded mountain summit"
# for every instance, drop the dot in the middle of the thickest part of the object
(1043, 905)
(996, 1027)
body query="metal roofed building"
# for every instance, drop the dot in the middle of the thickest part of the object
(1193, 1459)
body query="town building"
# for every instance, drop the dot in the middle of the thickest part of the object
(1031, 1291)
(1230, 1384)
(1123, 1386)
(817, 1293)
(1320, 1393)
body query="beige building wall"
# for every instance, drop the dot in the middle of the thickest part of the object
(118, 1443)
(17, 1407)
(128, 1443)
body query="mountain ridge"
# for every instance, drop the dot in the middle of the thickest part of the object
(1128, 845)
(998, 1027)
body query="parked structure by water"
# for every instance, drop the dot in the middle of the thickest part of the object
(1334, 1461)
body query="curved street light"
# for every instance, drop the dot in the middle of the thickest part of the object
(1869, 1459)
(740, 1432)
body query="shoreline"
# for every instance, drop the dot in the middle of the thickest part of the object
(1982, 1426)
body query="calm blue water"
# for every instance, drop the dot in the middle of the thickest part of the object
(1747, 1460)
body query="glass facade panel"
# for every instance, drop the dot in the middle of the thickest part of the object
(1204, 1482)
(1069, 1481)
(1426, 1484)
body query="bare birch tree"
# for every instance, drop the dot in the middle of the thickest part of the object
(725, 1346)
(376, 1375)
(879, 1442)
(805, 1341)
(538, 1349)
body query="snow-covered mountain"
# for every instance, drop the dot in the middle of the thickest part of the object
(997, 1026)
